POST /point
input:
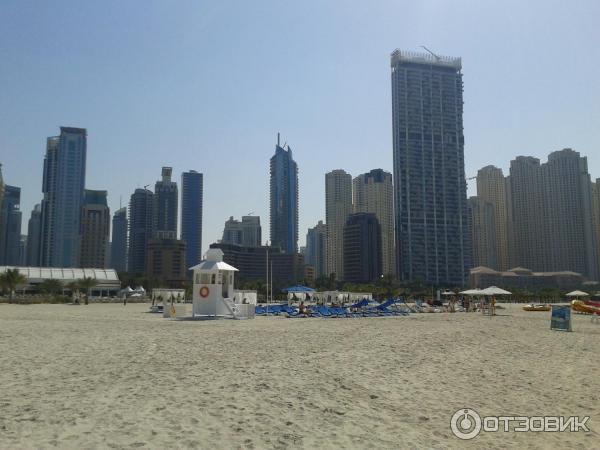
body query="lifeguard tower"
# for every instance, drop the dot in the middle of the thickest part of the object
(213, 294)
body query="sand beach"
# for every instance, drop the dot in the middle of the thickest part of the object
(109, 376)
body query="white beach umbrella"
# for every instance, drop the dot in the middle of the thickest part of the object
(471, 292)
(577, 294)
(448, 293)
(493, 290)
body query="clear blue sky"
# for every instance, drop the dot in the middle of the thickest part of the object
(207, 85)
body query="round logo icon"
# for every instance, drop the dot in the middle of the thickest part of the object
(465, 423)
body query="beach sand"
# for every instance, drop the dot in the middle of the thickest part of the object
(108, 376)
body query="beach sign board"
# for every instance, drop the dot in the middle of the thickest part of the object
(561, 318)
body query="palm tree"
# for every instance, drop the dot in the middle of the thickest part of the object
(50, 286)
(87, 283)
(11, 279)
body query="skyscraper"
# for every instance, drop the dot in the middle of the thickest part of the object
(34, 229)
(373, 192)
(430, 194)
(552, 214)
(95, 229)
(596, 212)
(316, 249)
(1, 199)
(247, 232)
(192, 191)
(362, 249)
(141, 217)
(338, 207)
(284, 199)
(118, 249)
(165, 206)
(22, 260)
(10, 224)
(570, 237)
(528, 211)
(491, 188)
(165, 257)
(63, 185)
(483, 233)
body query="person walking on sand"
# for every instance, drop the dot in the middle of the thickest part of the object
(125, 301)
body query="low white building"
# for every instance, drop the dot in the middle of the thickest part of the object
(108, 283)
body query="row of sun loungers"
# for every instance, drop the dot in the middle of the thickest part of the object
(360, 309)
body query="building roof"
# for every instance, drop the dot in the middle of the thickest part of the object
(209, 265)
(557, 274)
(483, 269)
(425, 58)
(520, 270)
(106, 276)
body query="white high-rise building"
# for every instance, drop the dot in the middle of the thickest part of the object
(596, 215)
(374, 193)
(248, 232)
(491, 188)
(316, 249)
(338, 206)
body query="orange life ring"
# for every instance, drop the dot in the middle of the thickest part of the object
(204, 292)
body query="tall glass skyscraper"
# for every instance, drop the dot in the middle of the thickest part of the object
(10, 224)
(141, 216)
(284, 199)
(430, 193)
(316, 249)
(63, 186)
(192, 190)
(118, 249)
(166, 198)
(34, 227)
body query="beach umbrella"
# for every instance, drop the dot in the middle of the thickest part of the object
(448, 293)
(471, 292)
(577, 294)
(493, 290)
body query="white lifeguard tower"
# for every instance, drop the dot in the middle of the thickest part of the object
(213, 293)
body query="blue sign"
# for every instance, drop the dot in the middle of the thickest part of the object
(561, 318)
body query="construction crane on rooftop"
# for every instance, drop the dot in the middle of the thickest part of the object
(437, 58)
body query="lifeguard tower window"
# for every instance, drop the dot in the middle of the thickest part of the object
(214, 279)
(204, 278)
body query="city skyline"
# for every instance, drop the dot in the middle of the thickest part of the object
(204, 124)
